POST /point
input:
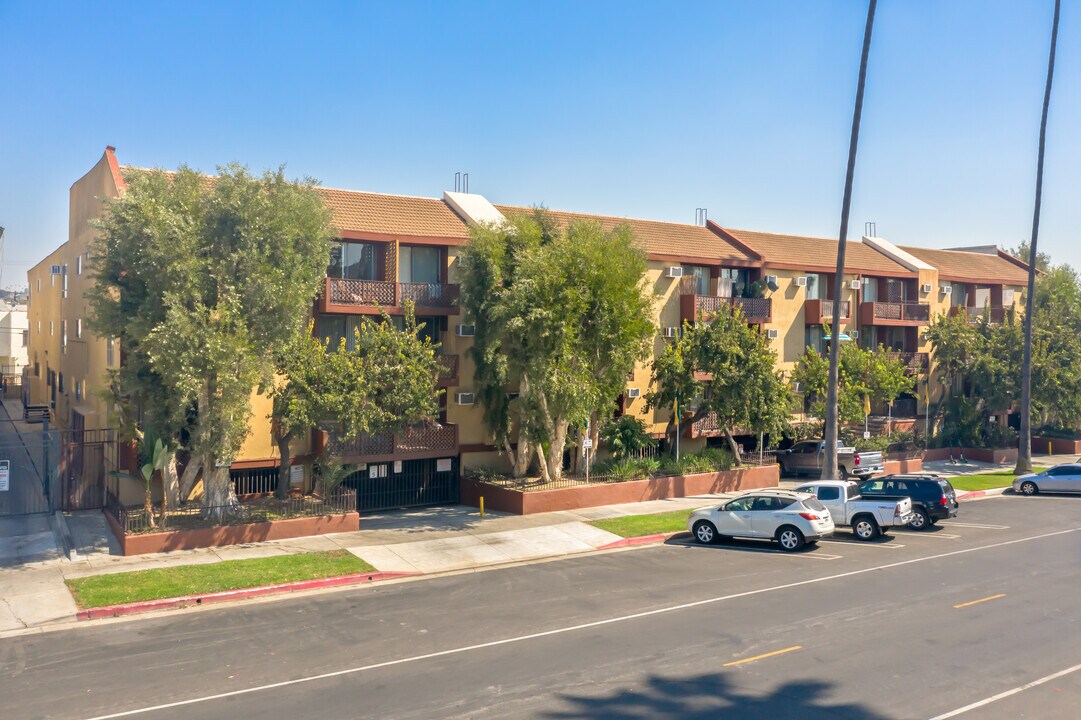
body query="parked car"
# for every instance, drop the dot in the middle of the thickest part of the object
(1061, 478)
(868, 518)
(932, 496)
(790, 518)
(806, 457)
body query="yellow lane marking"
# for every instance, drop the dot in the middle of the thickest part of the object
(766, 655)
(974, 602)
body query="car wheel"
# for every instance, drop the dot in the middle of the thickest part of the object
(789, 538)
(920, 520)
(1029, 488)
(844, 473)
(865, 528)
(705, 532)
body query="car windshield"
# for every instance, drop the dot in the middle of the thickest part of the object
(813, 504)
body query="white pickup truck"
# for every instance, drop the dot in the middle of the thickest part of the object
(868, 518)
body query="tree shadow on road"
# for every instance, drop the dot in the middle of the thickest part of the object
(711, 696)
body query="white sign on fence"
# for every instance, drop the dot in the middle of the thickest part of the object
(443, 464)
(296, 475)
(5, 475)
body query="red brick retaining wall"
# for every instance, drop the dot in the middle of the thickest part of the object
(1059, 446)
(989, 455)
(894, 467)
(232, 534)
(584, 496)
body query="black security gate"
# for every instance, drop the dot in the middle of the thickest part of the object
(405, 483)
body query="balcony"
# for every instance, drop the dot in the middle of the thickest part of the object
(694, 307)
(894, 313)
(818, 312)
(371, 296)
(706, 427)
(993, 314)
(448, 371)
(916, 363)
(416, 443)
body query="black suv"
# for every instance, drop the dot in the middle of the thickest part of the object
(932, 496)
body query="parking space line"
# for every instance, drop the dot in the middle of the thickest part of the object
(763, 656)
(860, 543)
(1008, 693)
(974, 525)
(763, 550)
(925, 534)
(977, 602)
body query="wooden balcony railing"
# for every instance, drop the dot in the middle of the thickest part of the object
(817, 312)
(994, 314)
(914, 362)
(343, 295)
(894, 313)
(448, 370)
(425, 441)
(703, 307)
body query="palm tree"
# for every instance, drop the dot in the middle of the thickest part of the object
(1024, 448)
(829, 466)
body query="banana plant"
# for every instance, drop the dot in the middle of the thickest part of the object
(159, 456)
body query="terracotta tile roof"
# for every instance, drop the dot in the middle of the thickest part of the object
(813, 252)
(361, 212)
(662, 238)
(971, 266)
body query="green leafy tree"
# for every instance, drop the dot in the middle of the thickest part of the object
(865, 376)
(625, 436)
(1056, 375)
(202, 281)
(724, 368)
(562, 315)
(385, 382)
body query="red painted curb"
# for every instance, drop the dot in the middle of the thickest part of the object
(227, 595)
(973, 494)
(640, 540)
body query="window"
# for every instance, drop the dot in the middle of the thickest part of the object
(50, 328)
(60, 383)
(354, 261)
(78, 328)
(110, 351)
(741, 505)
(816, 339)
(78, 390)
(37, 369)
(829, 493)
(79, 268)
(870, 290)
(1007, 297)
(736, 279)
(26, 337)
(333, 328)
(700, 273)
(63, 334)
(39, 327)
(39, 284)
(64, 283)
(958, 294)
(814, 287)
(420, 264)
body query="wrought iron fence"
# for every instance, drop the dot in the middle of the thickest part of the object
(255, 481)
(429, 294)
(133, 520)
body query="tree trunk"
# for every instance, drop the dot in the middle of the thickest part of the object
(282, 490)
(733, 447)
(218, 494)
(829, 466)
(556, 444)
(191, 474)
(595, 436)
(543, 463)
(525, 452)
(1024, 446)
(148, 503)
(171, 482)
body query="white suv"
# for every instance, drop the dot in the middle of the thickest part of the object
(791, 518)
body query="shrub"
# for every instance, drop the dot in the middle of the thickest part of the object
(625, 436)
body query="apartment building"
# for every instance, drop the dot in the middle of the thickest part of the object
(394, 248)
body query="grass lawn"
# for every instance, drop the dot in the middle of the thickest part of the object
(101, 590)
(986, 481)
(638, 525)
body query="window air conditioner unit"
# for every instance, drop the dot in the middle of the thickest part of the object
(56, 269)
(770, 279)
(773, 333)
(465, 330)
(674, 272)
(947, 289)
(671, 332)
(855, 284)
(855, 335)
(801, 281)
(632, 393)
(464, 398)
(512, 395)
(925, 288)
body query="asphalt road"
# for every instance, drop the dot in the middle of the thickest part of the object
(846, 630)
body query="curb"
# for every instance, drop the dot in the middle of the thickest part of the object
(975, 494)
(640, 540)
(228, 595)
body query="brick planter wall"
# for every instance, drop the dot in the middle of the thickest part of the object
(910, 465)
(232, 534)
(1059, 446)
(584, 496)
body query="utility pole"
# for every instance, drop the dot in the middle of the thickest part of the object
(829, 464)
(1024, 445)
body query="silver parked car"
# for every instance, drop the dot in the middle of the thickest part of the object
(790, 518)
(1061, 478)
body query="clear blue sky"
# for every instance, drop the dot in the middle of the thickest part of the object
(645, 109)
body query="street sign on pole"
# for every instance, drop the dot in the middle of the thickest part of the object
(5, 475)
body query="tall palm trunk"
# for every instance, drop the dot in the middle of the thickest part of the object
(1024, 448)
(829, 465)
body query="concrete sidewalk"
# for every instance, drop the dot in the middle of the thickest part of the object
(426, 540)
